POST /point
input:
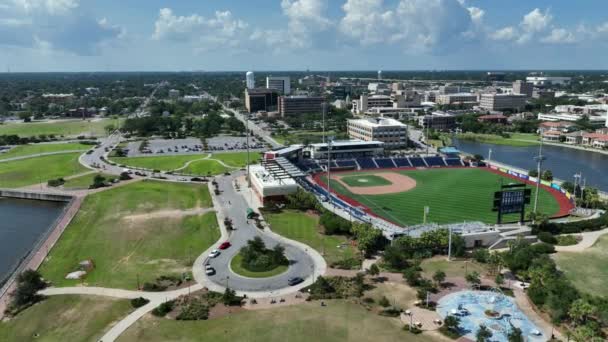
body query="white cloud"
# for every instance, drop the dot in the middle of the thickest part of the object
(506, 33)
(52, 7)
(536, 21)
(559, 36)
(476, 14)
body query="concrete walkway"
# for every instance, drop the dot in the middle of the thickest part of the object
(589, 239)
(523, 302)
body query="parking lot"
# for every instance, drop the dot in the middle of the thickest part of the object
(193, 146)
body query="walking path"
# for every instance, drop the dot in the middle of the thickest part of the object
(528, 309)
(589, 239)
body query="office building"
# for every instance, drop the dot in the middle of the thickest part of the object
(496, 102)
(543, 94)
(366, 102)
(280, 84)
(523, 88)
(495, 76)
(456, 98)
(294, 105)
(260, 99)
(346, 149)
(545, 81)
(250, 80)
(406, 99)
(438, 121)
(391, 132)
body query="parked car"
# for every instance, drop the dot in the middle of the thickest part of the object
(225, 245)
(209, 270)
(294, 281)
(214, 253)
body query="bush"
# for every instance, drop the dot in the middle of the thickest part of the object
(154, 287)
(368, 300)
(547, 237)
(125, 176)
(56, 182)
(566, 240)
(347, 264)
(481, 255)
(390, 312)
(163, 309)
(334, 224)
(573, 227)
(139, 302)
(413, 329)
(384, 302)
(543, 248)
(258, 258)
(26, 293)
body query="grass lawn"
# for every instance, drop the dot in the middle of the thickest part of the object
(200, 167)
(337, 322)
(365, 180)
(165, 163)
(135, 230)
(26, 150)
(19, 173)
(399, 295)
(516, 140)
(593, 277)
(83, 182)
(453, 195)
(65, 318)
(454, 268)
(237, 159)
(204, 168)
(305, 228)
(58, 128)
(235, 265)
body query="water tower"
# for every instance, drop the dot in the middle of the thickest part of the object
(379, 75)
(250, 79)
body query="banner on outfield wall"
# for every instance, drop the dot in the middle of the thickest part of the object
(532, 179)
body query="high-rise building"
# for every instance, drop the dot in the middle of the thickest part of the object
(502, 101)
(379, 75)
(260, 99)
(250, 80)
(391, 132)
(293, 105)
(523, 88)
(281, 84)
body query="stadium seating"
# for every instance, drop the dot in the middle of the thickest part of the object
(453, 161)
(366, 163)
(417, 162)
(434, 161)
(346, 163)
(402, 162)
(385, 163)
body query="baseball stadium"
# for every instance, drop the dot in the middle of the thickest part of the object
(452, 193)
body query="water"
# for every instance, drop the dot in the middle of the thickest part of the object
(562, 161)
(471, 306)
(22, 223)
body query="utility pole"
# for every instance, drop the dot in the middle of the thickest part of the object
(577, 184)
(324, 105)
(247, 129)
(490, 156)
(450, 244)
(329, 171)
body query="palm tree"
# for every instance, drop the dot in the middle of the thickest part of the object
(483, 334)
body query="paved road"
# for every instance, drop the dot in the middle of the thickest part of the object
(255, 128)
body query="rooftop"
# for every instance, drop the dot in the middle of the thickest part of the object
(377, 122)
(348, 143)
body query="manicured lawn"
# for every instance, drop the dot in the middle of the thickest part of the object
(593, 276)
(235, 265)
(133, 232)
(204, 168)
(65, 318)
(85, 181)
(237, 159)
(19, 173)
(454, 268)
(164, 163)
(26, 150)
(453, 195)
(365, 180)
(339, 321)
(305, 228)
(59, 128)
(516, 140)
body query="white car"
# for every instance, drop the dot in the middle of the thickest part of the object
(209, 270)
(214, 253)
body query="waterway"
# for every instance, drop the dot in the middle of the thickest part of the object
(22, 224)
(564, 162)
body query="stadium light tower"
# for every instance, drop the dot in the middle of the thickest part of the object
(539, 161)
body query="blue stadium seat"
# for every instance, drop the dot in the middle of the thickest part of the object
(417, 162)
(385, 163)
(434, 161)
(402, 162)
(346, 163)
(453, 161)
(366, 163)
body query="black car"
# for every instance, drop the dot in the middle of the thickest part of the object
(294, 281)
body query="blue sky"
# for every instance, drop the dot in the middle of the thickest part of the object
(110, 35)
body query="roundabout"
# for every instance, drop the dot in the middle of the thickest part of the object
(237, 267)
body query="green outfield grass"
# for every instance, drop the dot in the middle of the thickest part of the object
(338, 321)
(65, 318)
(593, 277)
(33, 149)
(363, 181)
(236, 266)
(135, 232)
(305, 228)
(83, 182)
(58, 128)
(453, 195)
(19, 173)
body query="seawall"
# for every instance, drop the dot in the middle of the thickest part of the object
(32, 195)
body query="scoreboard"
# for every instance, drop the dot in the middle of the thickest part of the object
(511, 199)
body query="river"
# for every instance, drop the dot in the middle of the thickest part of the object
(22, 224)
(564, 162)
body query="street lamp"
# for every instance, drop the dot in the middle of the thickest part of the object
(539, 160)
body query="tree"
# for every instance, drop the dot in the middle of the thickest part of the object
(547, 176)
(515, 335)
(533, 173)
(439, 277)
(473, 278)
(374, 270)
(369, 239)
(585, 333)
(580, 310)
(499, 280)
(230, 298)
(25, 116)
(483, 334)
(28, 284)
(98, 182)
(452, 322)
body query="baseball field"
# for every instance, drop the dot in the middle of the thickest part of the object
(452, 194)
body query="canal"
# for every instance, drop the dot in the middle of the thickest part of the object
(22, 224)
(562, 161)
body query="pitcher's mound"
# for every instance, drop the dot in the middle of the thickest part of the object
(397, 183)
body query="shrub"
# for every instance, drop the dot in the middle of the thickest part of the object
(547, 237)
(384, 302)
(139, 302)
(56, 182)
(28, 284)
(390, 312)
(481, 255)
(163, 309)
(543, 248)
(193, 310)
(566, 240)
(368, 300)
(125, 176)
(574, 227)
(154, 287)
(347, 264)
(413, 329)
(334, 224)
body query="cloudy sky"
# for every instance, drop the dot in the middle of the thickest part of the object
(112, 35)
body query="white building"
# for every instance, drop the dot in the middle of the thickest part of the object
(346, 149)
(281, 84)
(250, 79)
(173, 93)
(543, 81)
(494, 102)
(456, 98)
(366, 102)
(596, 120)
(391, 132)
(267, 186)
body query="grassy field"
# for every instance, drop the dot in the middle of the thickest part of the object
(236, 266)
(453, 195)
(593, 277)
(27, 150)
(516, 140)
(454, 268)
(165, 163)
(58, 128)
(83, 182)
(399, 295)
(65, 318)
(19, 173)
(305, 228)
(237, 159)
(363, 181)
(168, 163)
(138, 231)
(339, 321)
(205, 167)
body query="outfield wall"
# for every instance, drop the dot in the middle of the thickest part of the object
(534, 180)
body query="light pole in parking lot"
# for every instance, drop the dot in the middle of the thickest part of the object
(248, 161)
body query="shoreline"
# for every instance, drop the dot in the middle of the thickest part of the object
(534, 143)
